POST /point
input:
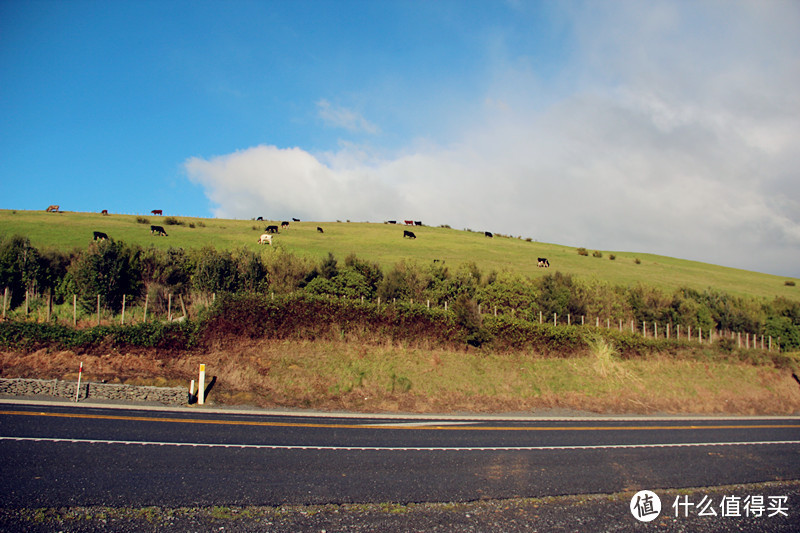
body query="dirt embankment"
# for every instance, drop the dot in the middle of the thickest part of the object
(340, 375)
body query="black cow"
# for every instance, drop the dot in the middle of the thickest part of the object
(158, 230)
(284, 224)
(543, 262)
(295, 219)
(319, 229)
(392, 222)
(488, 233)
(417, 222)
(271, 229)
(409, 234)
(260, 218)
(100, 236)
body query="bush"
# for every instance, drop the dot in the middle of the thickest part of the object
(20, 267)
(789, 283)
(109, 269)
(597, 253)
(583, 251)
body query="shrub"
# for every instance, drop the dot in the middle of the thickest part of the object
(597, 253)
(20, 267)
(142, 220)
(172, 221)
(789, 283)
(612, 257)
(109, 269)
(637, 261)
(583, 251)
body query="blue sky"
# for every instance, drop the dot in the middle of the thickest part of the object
(670, 127)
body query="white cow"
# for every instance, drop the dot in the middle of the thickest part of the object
(265, 238)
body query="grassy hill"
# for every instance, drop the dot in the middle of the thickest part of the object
(384, 244)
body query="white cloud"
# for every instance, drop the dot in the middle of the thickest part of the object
(680, 136)
(342, 117)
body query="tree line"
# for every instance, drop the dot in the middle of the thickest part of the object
(114, 269)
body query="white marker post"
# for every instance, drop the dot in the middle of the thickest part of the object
(191, 391)
(78, 388)
(201, 385)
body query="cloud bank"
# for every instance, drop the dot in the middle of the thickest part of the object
(671, 130)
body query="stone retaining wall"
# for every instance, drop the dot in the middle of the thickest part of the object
(94, 391)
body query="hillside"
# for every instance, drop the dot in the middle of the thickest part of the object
(384, 244)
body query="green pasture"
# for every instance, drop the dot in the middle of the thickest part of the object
(385, 244)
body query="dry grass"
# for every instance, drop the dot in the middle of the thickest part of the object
(391, 377)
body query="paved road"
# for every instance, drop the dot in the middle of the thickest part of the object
(59, 455)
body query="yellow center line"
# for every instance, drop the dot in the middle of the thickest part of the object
(389, 425)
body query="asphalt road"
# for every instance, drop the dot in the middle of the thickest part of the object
(59, 455)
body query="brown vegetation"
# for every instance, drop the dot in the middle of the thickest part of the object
(398, 376)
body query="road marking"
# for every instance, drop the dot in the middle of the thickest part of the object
(441, 425)
(394, 448)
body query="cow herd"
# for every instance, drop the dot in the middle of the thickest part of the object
(269, 231)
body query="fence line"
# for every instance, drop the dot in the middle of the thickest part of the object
(647, 330)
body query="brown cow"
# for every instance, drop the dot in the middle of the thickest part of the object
(52, 208)
(157, 212)
(104, 212)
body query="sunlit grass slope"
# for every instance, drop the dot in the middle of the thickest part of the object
(385, 244)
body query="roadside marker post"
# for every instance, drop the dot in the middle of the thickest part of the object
(78, 387)
(201, 385)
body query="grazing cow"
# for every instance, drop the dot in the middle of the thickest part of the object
(284, 224)
(52, 208)
(409, 234)
(265, 238)
(408, 222)
(296, 219)
(488, 233)
(104, 212)
(260, 218)
(543, 262)
(417, 222)
(271, 229)
(157, 212)
(100, 236)
(320, 230)
(158, 230)
(392, 222)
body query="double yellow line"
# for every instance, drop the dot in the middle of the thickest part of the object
(426, 426)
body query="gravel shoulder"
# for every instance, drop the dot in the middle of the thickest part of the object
(596, 512)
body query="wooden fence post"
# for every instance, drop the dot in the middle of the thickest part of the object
(146, 301)
(122, 318)
(75, 310)
(49, 307)
(169, 308)
(98, 309)
(26, 303)
(5, 299)
(655, 330)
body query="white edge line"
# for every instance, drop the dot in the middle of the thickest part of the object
(390, 416)
(396, 449)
